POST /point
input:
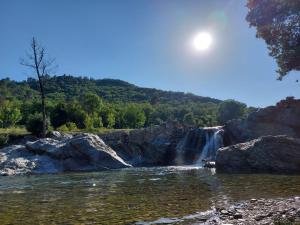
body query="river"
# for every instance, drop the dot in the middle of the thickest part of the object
(130, 196)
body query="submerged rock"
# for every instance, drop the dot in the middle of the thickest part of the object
(274, 154)
(85, 152)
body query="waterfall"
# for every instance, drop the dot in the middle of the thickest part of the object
(199, 144)
(213, 141)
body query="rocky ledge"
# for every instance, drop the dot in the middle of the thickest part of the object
(271, 154)
(84, 152)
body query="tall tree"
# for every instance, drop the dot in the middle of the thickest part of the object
(278, 23)
(38, 61)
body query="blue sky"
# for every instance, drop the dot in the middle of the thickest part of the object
(147, 43)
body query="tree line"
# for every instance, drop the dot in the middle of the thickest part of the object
(90, 112)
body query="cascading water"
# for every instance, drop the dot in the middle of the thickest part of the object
(199, 145)
(213, 141)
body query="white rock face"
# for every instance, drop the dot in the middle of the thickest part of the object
(85, 152)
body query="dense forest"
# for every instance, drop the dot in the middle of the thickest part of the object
(85, 103)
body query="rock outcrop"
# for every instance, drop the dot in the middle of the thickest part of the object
(271, 154)
(282, 119)
(85, 152)
(153, 146)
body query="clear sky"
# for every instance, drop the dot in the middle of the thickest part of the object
(147, 43)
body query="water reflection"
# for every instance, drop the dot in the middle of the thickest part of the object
(130, 195)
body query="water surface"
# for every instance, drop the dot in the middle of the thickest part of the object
(130, 195)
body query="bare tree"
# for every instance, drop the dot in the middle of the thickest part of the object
(37, 60)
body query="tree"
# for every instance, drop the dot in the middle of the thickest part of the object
(230, 109)
(133, 117)
(189, 119)
(278, 23)
(37, 60)
(9, 114)
(35, 124)
(91, 103)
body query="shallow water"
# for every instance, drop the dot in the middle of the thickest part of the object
(130, 195)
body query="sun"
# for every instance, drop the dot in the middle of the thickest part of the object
(202, 41)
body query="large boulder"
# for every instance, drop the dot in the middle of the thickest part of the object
(271, 154)
(282, 119)
(84, 152)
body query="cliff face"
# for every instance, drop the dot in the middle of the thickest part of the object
(153, 146)
(282, 119)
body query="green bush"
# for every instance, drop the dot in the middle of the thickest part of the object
(35, 124)
(9, 114)
(71, 126)
(63, 128)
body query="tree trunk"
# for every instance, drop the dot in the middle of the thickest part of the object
(43, 108)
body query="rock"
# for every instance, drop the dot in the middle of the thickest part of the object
(282, 119)
(153, 146)
(58, 135)
(237, 216)
(224, 212)
(275, 154)
(85, 152)
(209, 164)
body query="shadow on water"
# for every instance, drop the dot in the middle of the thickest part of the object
(130, 195)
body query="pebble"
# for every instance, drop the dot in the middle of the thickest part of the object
(257, 211)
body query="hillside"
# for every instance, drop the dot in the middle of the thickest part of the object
(80, 102)
(69, 87)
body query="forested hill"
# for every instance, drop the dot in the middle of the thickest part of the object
(84, 103)
(69, 87)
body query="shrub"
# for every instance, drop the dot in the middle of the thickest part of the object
(35, 124)
(63, 128)
(71, 126)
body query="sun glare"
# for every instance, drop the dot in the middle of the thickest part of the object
(202, 41)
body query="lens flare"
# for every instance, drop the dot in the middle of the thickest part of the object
(202, 41)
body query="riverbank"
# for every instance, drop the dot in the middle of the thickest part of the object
(259, 211)
(279, 211)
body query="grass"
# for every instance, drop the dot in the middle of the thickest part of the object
(13, 131)
(23, 131)
(98, 131)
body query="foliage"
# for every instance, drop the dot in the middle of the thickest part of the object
(67, 127)
(189, 119)
(91, 103)
(278, 23)
(63, 128)
(133, 117)
(35, 124)
(9, 114)
(230, 109)
(85, 104)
